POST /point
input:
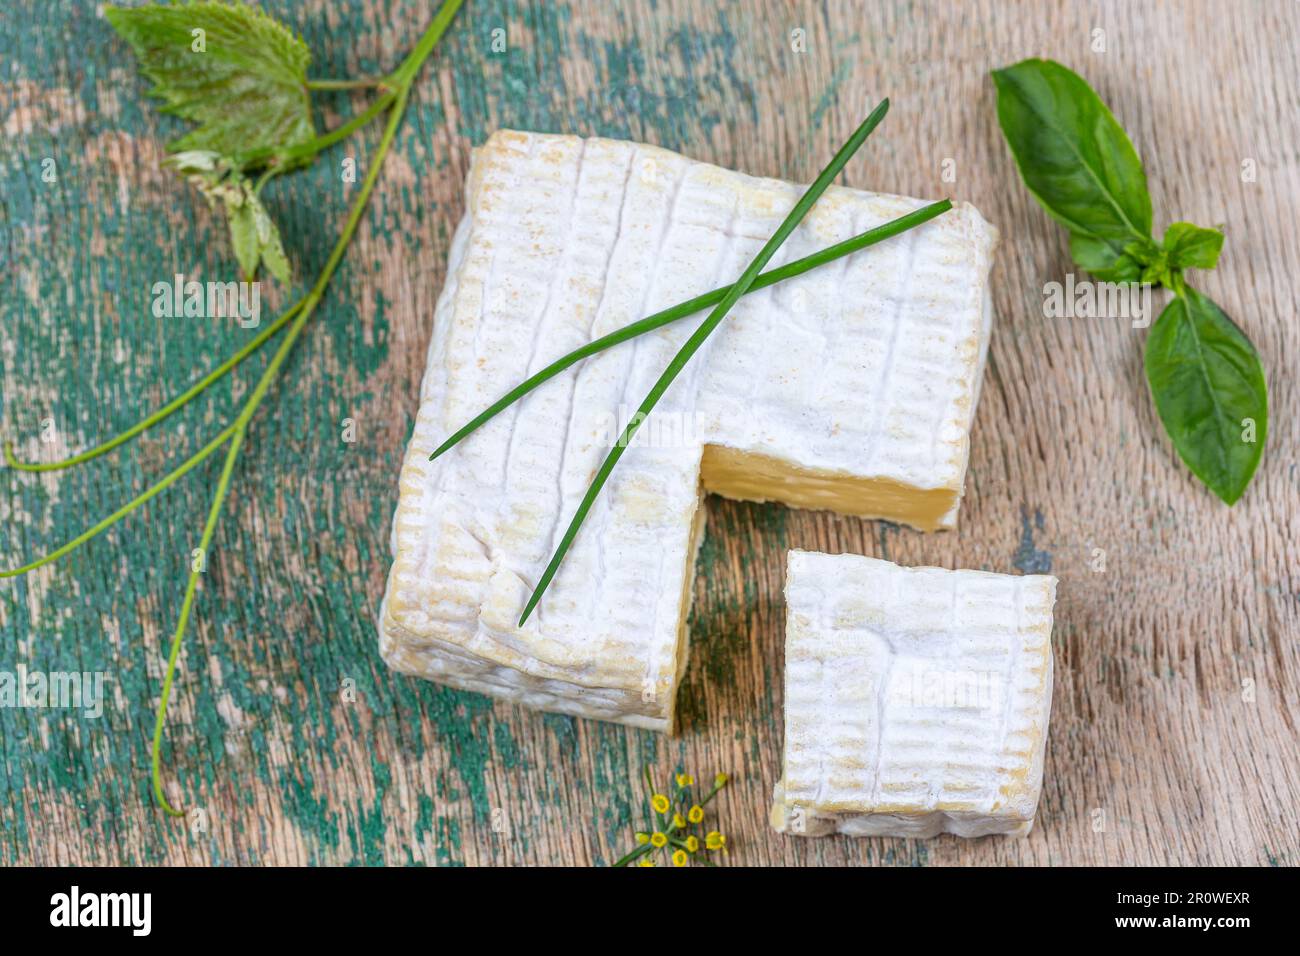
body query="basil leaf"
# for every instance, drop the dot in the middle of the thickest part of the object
(1157, 270)
(230, 68)
(1208, 385)
(1098, 257)
(1077, 161)
(1192, 247)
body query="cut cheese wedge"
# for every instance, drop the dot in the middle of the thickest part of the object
(916, 699)
(851, 388)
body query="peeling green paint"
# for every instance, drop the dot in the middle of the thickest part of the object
(1027, 558)
(286, 611)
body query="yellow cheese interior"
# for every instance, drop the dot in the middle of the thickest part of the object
(752, 477)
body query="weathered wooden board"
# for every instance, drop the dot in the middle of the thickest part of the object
(1174, 732)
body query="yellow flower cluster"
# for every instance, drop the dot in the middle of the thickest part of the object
(672, 814)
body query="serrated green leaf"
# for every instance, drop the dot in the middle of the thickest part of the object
(246, 88)
(1077, 161)
(1208, 384)
(1192, 247)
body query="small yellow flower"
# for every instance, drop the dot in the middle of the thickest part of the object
(720, 780)
(659, 802)
(685, 780)
(679, 821)
(645, 861)
(695, 814)
(680, 858)
(716, 841)
(658, 840)
(693, 844)
(643, 838)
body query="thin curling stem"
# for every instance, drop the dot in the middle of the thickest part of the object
(174, 405)
(171, 478)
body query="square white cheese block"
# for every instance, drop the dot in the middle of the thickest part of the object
(851, 388)
(916, 699)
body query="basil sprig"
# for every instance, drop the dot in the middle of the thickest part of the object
(1205, 375)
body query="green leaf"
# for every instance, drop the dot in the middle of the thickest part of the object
(252, 233)
(1157, 270)
(1077, 161)
(1208, 385)
(1192, 247)
(233, 70)
(1098, 257)
(272, 249)
(243, 237)
(1158, 273)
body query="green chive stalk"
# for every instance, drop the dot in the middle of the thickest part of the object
(697, 338)
(690, 307)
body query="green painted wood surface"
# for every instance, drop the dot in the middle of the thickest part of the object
(1157, 753)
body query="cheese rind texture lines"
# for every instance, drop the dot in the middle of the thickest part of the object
(916, 699)
(851, 387)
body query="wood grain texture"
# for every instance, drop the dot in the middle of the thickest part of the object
(1174, 728)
